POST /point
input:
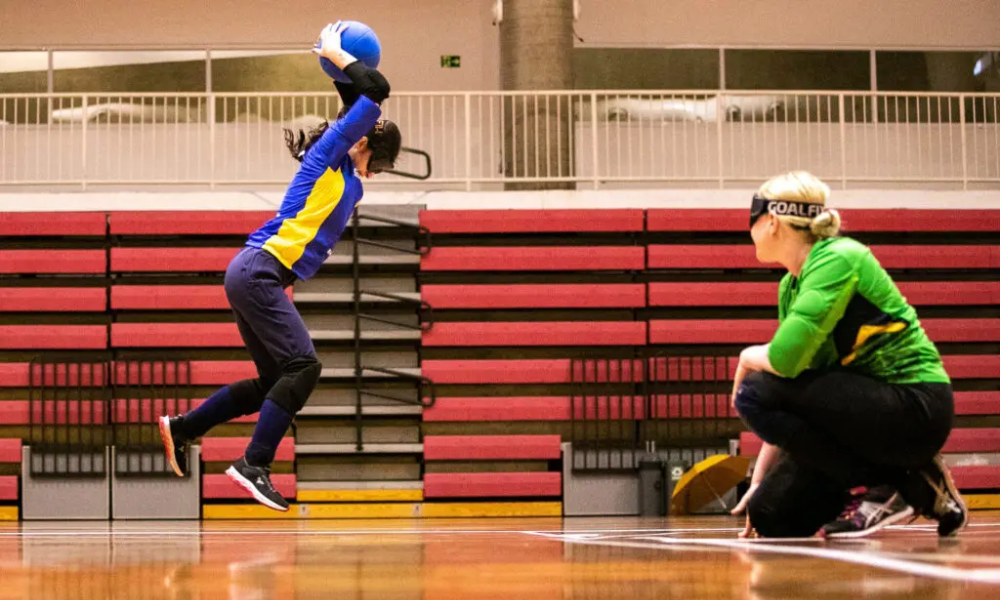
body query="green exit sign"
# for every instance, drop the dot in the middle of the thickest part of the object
(451, 62)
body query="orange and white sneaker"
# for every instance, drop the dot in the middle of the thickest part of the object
(174, 445)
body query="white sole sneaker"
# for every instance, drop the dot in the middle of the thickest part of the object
(244, 483)
(168, 445)
(890, 520)
(952, 491)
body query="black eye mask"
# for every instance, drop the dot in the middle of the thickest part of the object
(761, 206)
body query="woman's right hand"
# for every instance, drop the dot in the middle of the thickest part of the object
(742, 506)
(329, 45)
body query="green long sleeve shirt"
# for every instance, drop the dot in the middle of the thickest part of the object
(844, 309)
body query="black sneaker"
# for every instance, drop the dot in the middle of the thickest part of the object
(949, 509)
(257, 481)
(868, 512)
(174, 444)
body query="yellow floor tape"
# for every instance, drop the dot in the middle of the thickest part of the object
(396, 510)
(360, 495)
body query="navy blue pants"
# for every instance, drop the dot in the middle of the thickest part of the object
(269, 324)
(837, 430)
(282, 351)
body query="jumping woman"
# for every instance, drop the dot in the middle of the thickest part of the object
(292, 246)
(850, 396)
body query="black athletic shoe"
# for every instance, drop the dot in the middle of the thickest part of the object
(174, 444)
(868, 512)
(257, 481)
(948, 509)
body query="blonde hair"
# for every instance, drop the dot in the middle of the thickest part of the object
(800, 186)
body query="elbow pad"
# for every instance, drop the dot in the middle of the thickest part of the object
(369, 82)
(348, 93)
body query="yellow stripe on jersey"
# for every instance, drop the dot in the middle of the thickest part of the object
(294, 235)
(866, 332)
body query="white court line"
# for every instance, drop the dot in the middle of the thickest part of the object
(862, 558)
(315, 532)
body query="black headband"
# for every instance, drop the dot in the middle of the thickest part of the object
(789, 208)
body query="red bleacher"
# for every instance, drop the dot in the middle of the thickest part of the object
(187, 222)
(977, 403)
(216, 487)
(175, 335)
(962, 440)
(888, 220)
(496, 447)
(533, 221)
(168, 297)
(891, 257)
(488, 485)
(45, 262)
(569, 333)
(52, 299)
(536, 296)
(535, 258)
(53, 337)
(918, 293)
(53, 224)
(228, 449)
(170, 260)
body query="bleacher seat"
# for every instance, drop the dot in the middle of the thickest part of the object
(918, 293)
(568, 333)
(53, 337)
(175, 335)
(10, 451)
(489, 485)
(169, 297)
(214, 487)
(753, 331)
(891, 257)
(216, 223)
(8, 488)
(171, 260)
(550, 371)
(53, 299)
(532, 221)
(489, 409)
(961, 440)
(147, 410)
(53, 262)
(536, 296)
(854, 220)
(492, 447)
(53, 224)
(228, 449)
(977, 403)
(535, 258)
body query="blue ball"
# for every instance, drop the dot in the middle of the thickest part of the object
(361, 42)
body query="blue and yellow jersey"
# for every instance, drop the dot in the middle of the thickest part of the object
(321, 197)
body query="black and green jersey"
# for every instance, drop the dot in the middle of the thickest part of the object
(845, 310)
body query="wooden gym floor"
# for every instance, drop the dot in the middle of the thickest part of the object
(536, 559)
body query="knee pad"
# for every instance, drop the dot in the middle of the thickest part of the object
(763, 519)
(299, 377)
(749, 395)
(249, 394)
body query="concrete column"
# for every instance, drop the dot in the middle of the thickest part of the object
(536, 54)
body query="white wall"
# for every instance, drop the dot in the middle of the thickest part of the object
(414, 33)
(969, 24)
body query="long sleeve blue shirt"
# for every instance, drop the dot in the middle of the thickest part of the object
(321, 197)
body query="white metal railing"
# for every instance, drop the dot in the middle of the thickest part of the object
(479, 139)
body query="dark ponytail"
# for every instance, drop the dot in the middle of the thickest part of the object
(300, 143)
